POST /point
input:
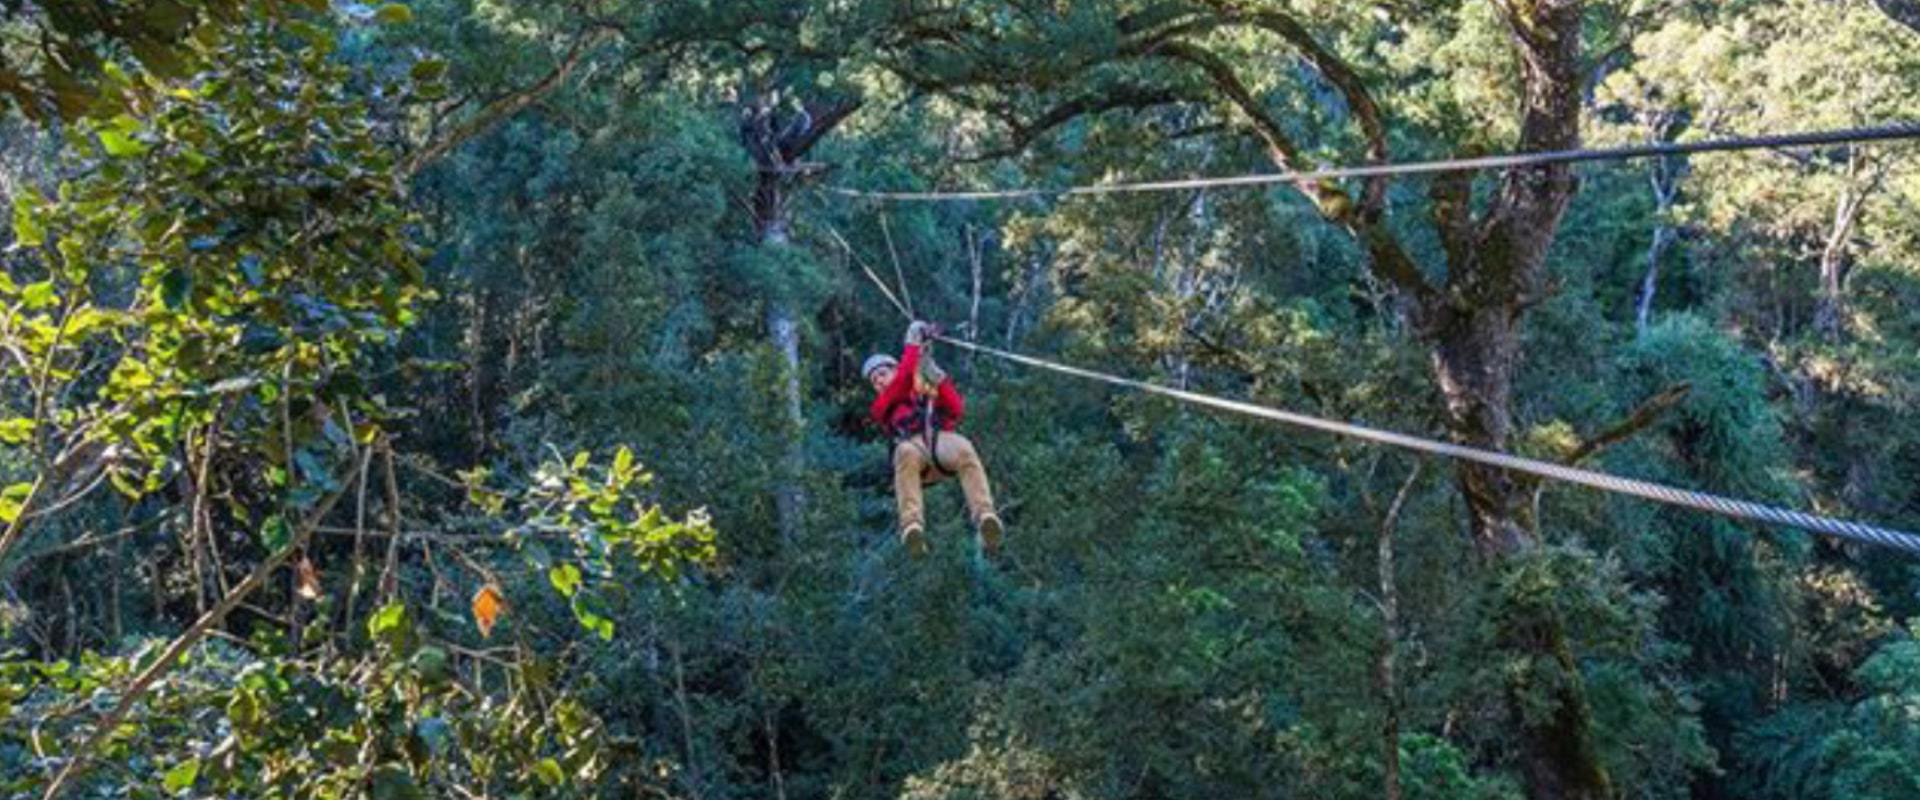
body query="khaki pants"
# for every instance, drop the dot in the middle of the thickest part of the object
(912, 470)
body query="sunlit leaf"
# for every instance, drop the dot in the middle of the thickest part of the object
(37, 296)
(121, 144)
(487, 607)
(565, 579)
(13, 500)
(549, 772)
(388, 621)
(16, 431)
(428, 69)
(182, 776)
(27, 229)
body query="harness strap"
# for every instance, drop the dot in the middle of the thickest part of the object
(931, 425)
(923, 426)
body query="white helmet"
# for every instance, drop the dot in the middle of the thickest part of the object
(875, 362)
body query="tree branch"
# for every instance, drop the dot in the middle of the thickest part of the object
(1336, 71)
(1388, 258)
(504, 107)
(1648, 413)
(825, 119)
(1639, 420)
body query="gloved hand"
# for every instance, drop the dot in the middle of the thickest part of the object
(918, 332)
(931, 370)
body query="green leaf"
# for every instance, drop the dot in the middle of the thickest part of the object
(392, 782)
(387, 621)
(565, 579)
(120, 144)
(549, 773)
(393, 14)
(13, 500)
(27, 228)
(428, 70)
(623, 461)
(182, 776)
(39, 295)
(435, 732)
(586, 607)
(276, 533)
(432, 665)
(16, 431)
(314, 34)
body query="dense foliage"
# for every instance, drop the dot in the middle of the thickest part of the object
(333, 340)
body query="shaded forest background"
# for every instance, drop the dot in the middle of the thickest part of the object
(460, 398)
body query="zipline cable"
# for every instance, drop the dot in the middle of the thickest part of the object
(1647, 490)
(1880, 133)
(1659, 493)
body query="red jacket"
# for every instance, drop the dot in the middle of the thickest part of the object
(897, 408)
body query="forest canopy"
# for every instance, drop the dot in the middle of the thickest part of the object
(447, 398)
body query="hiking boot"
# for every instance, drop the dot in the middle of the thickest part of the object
(990, 531)
(914, 536)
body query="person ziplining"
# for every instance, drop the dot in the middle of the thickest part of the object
(917, 405)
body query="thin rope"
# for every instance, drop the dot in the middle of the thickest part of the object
(871, 275)
(1891, 132)
(1659, 493)
(899, 275)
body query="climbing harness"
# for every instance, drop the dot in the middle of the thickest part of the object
(929, 418)
(1647, 490)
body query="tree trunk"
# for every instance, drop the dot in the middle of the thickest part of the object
(1386, 669)
(1666, 189)
(1830, 311)
(783, 327)
(778, 139)
(789, 501)
(1497, 271)
(1474, 355)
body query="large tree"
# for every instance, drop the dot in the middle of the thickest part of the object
(1037, 69)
